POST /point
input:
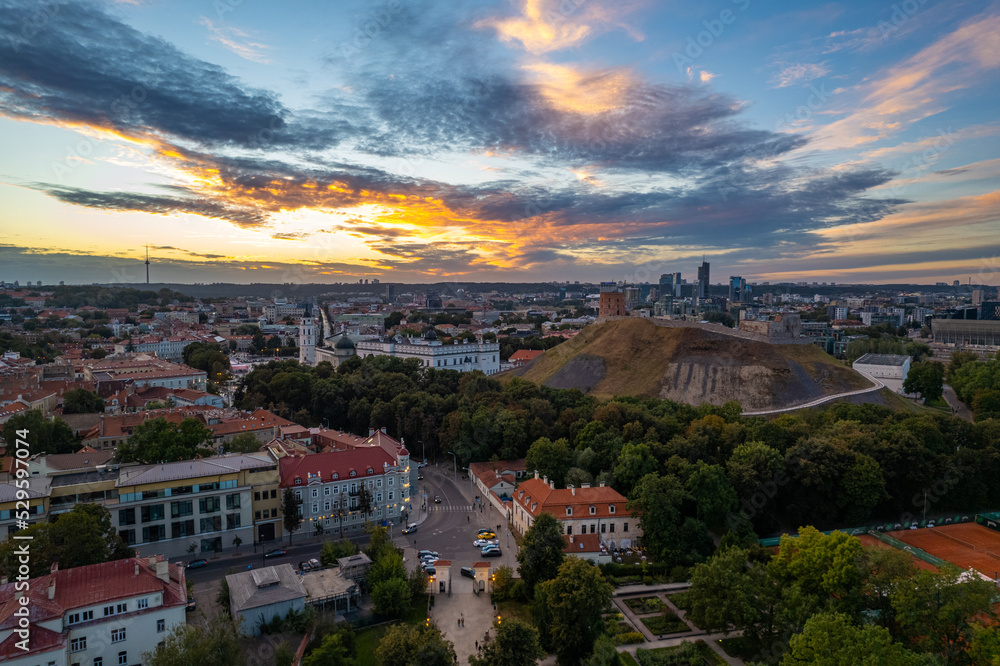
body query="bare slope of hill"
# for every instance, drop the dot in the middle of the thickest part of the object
(692, 365)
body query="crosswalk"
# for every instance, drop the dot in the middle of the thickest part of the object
(450, 507)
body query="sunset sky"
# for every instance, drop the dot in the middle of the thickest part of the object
(514, 140)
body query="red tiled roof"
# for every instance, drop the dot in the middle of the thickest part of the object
(40, 640)
(591, 543)
(321, 466)
(481, 565)
(535, 496)
(525, 355)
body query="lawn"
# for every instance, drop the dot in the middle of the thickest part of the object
(701, 649)
(515, 609)
(641, 605)
(626, 659)
(665, 623)
(367, 640)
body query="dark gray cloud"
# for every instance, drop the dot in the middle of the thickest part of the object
(75, 62)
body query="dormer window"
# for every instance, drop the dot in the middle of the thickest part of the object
(371, 471)
(569, 511)
(611, 508)
(334, 476)
(593, 509)
(298, 480)
(353, 473)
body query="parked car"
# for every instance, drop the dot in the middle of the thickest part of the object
(427, 552)
(479, 543)
(191, 604)
(278, 552)
(304, 566)
(468, 572)
(485, 530)
(422, 464)
(428, 561)
(410, 529)
(487, 535)
(430, 571)
(491, 552)
(197, 564)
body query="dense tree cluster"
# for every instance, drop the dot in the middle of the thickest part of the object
(82, 401)
(826, 599)
(977, 383)
(207, 356)
(42, 435)
(158, 441)
(78, 296)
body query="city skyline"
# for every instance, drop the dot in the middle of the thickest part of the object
(521, 141)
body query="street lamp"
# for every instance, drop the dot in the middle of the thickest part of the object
(455, 462)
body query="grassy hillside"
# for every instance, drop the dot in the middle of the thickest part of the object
(693, 365)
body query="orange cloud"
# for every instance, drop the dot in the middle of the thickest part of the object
(572, 90)
(551, 25)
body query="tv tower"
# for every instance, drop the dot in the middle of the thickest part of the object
(147, 263)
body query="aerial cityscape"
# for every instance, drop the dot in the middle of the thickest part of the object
(691, 310)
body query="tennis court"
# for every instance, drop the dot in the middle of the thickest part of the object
(964, 544)
(872, 541)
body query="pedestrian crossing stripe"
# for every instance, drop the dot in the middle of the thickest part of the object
(452, 507)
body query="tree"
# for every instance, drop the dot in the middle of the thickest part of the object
(366, 502)
(634, 462)
(80, 537)
(331, 652)
(503, 582)
(391, 597)
(831, 639)
(388, 566)
(570, 609)
(207, 356)
(550, 459)
(214, 643)
(283, 655)
(82, 401)
(711, 491)
(656, 501)
(379, 544)
(516, 644)
(44, 435)
(541, 553)
(292, 519)
(332, 551)
(245, 442)
(605, 653)
(723, 595)
(158, 441)
(986, 405)
(413, 646)
(927, 379)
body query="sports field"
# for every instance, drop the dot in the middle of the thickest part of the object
(872, 541)
(964, 544)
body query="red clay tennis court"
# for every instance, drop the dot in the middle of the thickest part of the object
(872, 541)
(964, 544)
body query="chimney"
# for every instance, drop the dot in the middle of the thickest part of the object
(552, 484)
(163, 571)
(545, 480)
(54, 568)
(371, 431)
(602, 484)
(571, 538)
(584, 485)
(152, 561)
(572, 489)
(536, 473)
(52, 588)
(136, 567)
(383, 431)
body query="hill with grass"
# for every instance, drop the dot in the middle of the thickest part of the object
(692, 365)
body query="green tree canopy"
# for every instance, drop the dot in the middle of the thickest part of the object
(415, 646)
(82, 401)
(391, 597)
(541, 553)
(832, 639)
(925, 378)
(245, 442)
(158, 441)
(516, 644)
(551, 459)
(213, 643)
(570, 607)
(43, 435)
(291, 512)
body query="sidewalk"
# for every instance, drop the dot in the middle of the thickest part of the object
(477, 611)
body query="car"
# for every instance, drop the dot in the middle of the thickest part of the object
(427, 561)
(437, 499)
(430, 571)
(278, 552)
(197, 564)
(410, 529)
(191, 604)
(420, 477)
(427, 552)
(491, 552)
(421, 465)
(485, 530)
(479, 543)
(487, 535)
(468, 572)
(490, 546)
(304, 566)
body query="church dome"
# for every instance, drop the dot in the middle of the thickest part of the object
(344, 343)
(430, 335)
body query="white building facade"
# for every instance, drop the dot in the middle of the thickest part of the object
(463, 356)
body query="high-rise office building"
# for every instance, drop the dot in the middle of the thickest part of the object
(703, 280)
(739, 290)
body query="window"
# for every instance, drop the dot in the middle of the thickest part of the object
(298, 495)
(611, 508)
(326, 491)
(378, 498)
(118, 635)
(161, 626)
(154, 533)
(256, 496)
(603, 527)
(569, 511)
(593, 528)
(78, 644)
(181, 529)
(315, 508)
(378, 483)
(390, 481)
(128, 536)
(126, 516)
(142, 603)
(98, 661)
(569, 529)
(213, 524)
(232, 521)
(326, 505)
(123, 659)
(209, 504)
(390, 495)
(315, 492)
(232, 501)
(256, 515)
(274, 494)
(179, 509)
(625, 527)
(85, 616)
(152, 513)
(593, 510)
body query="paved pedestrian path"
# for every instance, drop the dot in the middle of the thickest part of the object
(877, 386)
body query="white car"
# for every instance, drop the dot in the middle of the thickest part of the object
(479, 543)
